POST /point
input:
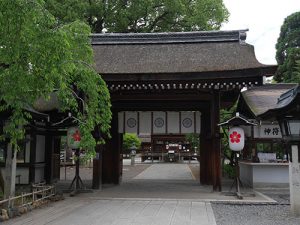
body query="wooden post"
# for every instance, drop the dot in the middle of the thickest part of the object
(111, 154)
(216, 142)
(32, 157)
(97, 168)
(48, 157)
(205, 148)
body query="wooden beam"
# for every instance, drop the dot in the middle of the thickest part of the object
(236, 74)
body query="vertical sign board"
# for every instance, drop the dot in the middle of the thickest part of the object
(236, 138)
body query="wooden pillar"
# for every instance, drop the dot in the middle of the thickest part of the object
(48, 157)
(216, 142)
(111, 154)
(97, 168)
(210, 145)
(205, 148)
(32, 157)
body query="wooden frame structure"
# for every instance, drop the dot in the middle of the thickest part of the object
(194, 71)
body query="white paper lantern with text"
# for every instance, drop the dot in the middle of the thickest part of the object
(236, 138)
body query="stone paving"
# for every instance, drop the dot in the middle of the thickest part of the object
(85, 211)
(166, 172)
(164, 194)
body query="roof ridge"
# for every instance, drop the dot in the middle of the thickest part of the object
(169, 37)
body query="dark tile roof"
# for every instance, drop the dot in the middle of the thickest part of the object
(162, 53)
(287, 103)
(259, 100)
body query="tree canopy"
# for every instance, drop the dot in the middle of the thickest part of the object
(143, 15)
(130, 140)
(38, 55)
(288, 50)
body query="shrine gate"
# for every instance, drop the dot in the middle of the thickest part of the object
(172, 72)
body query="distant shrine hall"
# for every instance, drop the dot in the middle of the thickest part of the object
(163, 86)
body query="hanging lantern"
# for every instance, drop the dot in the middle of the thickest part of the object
(236, 138)
(73, 137)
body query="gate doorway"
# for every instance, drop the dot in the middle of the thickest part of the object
(171, 72)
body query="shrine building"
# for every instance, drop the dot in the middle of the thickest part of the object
(165, 85)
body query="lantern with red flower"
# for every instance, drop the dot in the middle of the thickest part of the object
(236, 138)
(73, 137)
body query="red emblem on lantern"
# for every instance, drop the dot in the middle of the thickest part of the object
(76, 136)
(235, 137)
(73, 137)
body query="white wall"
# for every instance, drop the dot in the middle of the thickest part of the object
(173, 122)
(145, 123)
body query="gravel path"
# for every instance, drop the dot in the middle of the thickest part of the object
(253, 215)
(259, 214)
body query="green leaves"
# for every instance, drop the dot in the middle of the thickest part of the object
(39, 55)
(288, 50)
(130, 140)
(143, 15)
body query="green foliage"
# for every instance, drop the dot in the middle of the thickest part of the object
(194, 140)
(130, 140)
(143, 15)
(38, 56)
(288, 50)
(226, 114)
(229, 170)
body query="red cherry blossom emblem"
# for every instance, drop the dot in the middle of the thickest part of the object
(235, 137)
(76, 136)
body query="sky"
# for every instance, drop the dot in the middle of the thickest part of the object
(263, 18)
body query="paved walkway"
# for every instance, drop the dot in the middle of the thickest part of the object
(158, 194)
(82, 211)
(166, 172)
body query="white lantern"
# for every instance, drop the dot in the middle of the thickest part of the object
(236, 138)
(73, 137)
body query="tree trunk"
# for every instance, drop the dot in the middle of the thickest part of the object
(10, 172)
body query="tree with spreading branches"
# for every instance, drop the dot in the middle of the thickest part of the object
(39, 55)
(143, 15)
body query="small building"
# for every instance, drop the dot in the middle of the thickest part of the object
(265, 154)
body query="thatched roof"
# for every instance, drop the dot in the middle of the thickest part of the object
(288, 103)
(164, 53)
(258, 100)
